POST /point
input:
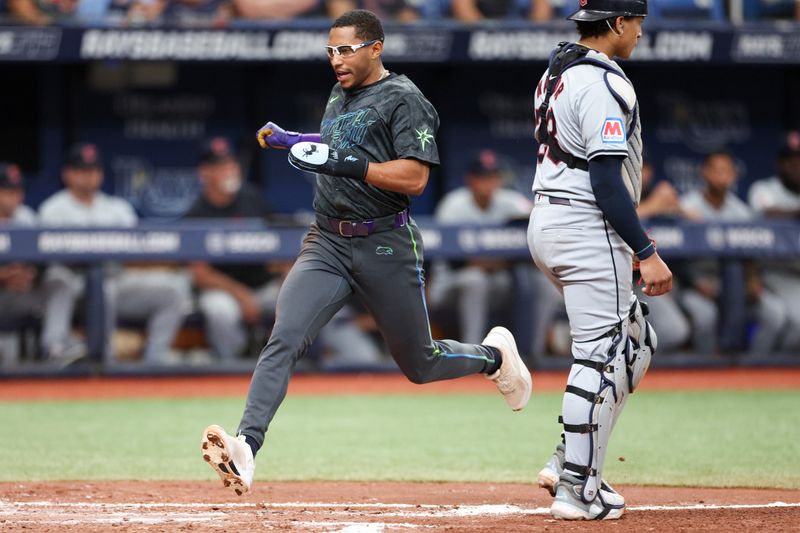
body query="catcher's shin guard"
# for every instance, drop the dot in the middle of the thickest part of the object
(595, 395)
(643, 340)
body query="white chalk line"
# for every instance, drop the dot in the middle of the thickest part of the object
(357, 527)
(74, 513)
(467, 509)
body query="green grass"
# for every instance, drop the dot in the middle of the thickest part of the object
(676, 438)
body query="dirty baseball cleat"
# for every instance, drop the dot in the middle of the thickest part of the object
(551, 472)
(230, 457)
(513, 379)
(568, 504)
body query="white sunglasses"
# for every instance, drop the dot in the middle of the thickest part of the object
(348, 50)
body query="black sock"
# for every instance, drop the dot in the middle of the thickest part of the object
(252, 443)
(490, 367)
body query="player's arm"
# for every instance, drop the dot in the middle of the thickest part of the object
(207, 277)
(406, 176)
(613, 199)
(765, 203)
(776, 212)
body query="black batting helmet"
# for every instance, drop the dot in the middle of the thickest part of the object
(591, 10)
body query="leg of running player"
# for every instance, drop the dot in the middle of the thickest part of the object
(392, 288)
(314, 290)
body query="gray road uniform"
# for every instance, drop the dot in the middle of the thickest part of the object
(161, 298)
(592, 112)
(475, 291)
(364, 243)
(782, 277)
(769, 311)
(15, 304)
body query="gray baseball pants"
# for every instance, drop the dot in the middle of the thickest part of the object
(384, 270)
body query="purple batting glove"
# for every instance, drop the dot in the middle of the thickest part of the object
(273, 136)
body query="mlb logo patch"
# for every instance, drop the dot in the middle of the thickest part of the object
(613, 131)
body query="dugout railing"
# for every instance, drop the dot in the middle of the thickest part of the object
(218, 242)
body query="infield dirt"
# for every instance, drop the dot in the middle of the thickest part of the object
(136, 506)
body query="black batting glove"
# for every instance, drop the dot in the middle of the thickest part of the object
(321, 159)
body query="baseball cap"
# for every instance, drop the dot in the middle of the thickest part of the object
(84, 155)
(791, 145)
(215, 150)
(10, 176)
(484, 163)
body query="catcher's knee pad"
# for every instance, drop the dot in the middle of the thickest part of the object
(643, 340)
(605, 399)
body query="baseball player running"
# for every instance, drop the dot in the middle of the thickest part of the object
(375, 149)
(583, 234)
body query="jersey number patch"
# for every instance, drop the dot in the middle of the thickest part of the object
(544, 150)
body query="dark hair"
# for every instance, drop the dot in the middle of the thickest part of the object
(366, 24)
(596, 28)
(719, 153)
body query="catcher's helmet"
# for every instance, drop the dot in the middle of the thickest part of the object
(591, 10)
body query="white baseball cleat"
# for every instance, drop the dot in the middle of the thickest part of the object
(513, 379)
(230, 457)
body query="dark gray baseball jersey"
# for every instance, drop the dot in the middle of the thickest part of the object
(384, 121)
(387, 120)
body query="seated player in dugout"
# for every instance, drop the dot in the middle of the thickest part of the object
(234, 298)
(474, 289)
(374, 151)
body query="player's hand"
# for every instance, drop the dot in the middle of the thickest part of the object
(17, 277)
(665, 198)
(251, 311)
(707, 286)
(273, 136)
(321, 159)
(656, 276)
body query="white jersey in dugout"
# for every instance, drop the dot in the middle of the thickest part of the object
(592, 112)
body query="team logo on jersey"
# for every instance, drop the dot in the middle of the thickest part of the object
(613, 131)
(423, 136)
(348, 130)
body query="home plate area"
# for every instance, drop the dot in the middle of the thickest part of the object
(373, 507)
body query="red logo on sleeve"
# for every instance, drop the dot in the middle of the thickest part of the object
(613, 131)
(612, 128)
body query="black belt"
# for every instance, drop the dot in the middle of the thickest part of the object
(362, 228)
(556, 200)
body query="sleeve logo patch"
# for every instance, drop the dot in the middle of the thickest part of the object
(613, 131)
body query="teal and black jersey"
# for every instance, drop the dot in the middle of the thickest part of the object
(381, 264)
(387, 120)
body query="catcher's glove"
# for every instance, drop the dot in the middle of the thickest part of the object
(270, 135)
